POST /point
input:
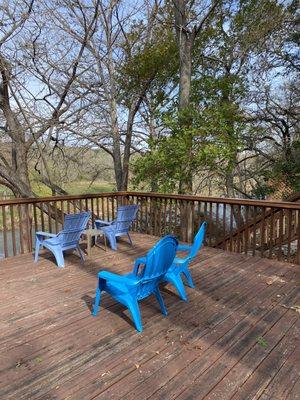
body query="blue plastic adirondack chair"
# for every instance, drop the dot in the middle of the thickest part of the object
(68, 238)
(181, 265)
(141, 282)
(120, 226)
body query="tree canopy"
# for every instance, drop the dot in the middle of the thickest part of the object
(180, 96)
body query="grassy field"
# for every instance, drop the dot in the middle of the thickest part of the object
(85, 187)
(81, 187)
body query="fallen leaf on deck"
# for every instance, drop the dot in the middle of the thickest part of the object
(262, 342)
(294, 308)
(274, 279)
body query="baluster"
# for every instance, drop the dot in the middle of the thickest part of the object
(21, 230)
(239, 224)
(159, 217)
(289, 233)
(246, 230)
(175, 216)
(217, 224)
(231, 228)
(49, 217)
(56, 217)
(28, 228)
(98, 207)
(107, 208)
(280, 237)
(147, 228)
(170, 228)
(297, 223)
(271, 240)
(13, 232)
(35, 218)
(254, 231)
(5, 247)
(42, 216)
(92, 211)
(262, 231)
(224, 226)
(62, 214)
(165, 216)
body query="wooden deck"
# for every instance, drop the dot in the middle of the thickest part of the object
(236, 338)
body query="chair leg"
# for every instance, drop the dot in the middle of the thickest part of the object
(160, 301)
(136, 314)
(188, 277)
(113, 242)
(129, 238)
(176, 281)
(97, 302)
(59, 256)
(80, 252)
(37, 249)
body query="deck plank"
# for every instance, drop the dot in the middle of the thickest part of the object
(51, 348)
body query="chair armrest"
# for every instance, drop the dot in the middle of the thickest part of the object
(137, 263)
(110, 276)
(40, 233)
(102, 222)
(184, 247)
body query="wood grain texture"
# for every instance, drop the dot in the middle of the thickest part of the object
(234, 339)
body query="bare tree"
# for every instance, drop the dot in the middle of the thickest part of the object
(50, 105)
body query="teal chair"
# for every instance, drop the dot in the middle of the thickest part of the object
(142, 282)
(181, 265)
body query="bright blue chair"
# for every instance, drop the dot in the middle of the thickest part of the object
(68, 238)
(181, 265)
(120, 226)
(141, 282)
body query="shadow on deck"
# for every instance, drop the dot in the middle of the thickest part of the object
(234, 339)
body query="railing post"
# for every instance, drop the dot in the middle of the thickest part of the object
(186, 221)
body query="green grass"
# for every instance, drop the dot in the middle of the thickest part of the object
(83, 187)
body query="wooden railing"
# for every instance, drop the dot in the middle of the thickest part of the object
(262, 228)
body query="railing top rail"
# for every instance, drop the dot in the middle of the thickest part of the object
(34, 200)
(220, 200)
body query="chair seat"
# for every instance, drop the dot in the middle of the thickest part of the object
(179, 261)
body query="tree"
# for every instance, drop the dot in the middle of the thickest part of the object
(210, 136)
(23, 125)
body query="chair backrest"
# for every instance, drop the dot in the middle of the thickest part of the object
(125, 216)
(159, 259)
(74, 225)
(198, 240)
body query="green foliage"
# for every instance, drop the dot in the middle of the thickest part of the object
(195, 138)
(154, 62)
(287, 169)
